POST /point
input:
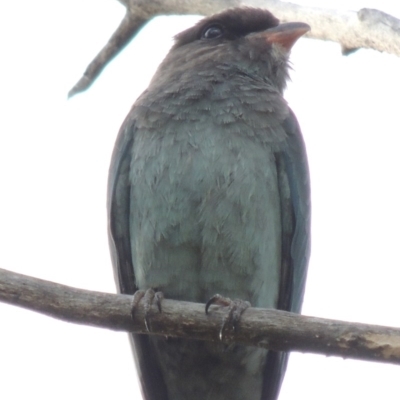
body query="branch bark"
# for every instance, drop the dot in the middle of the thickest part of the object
(367, 28)
(272, 329)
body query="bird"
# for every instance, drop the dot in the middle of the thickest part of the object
(209, 192)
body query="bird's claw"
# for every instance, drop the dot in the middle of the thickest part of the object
(235, 310)
(149, 297)
(137, 296)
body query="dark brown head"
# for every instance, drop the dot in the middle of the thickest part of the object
(246, 40)
(228, 25)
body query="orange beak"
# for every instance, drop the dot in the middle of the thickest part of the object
(286, 34)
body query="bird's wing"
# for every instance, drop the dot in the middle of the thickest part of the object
(294, 188)
(296, 166)
(118, 207)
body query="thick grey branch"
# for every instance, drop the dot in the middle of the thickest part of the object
(366, 28)
(271, 329)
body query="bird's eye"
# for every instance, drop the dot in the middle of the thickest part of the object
(212, 32)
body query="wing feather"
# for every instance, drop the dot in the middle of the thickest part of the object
(294, 190)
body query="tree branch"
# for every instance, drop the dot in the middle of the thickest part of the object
(129, 26)
(272, 329)
(367, 28)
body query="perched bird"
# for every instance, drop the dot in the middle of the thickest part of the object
(209, 193)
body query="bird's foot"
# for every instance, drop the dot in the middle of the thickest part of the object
(149, 297)
(235, 309)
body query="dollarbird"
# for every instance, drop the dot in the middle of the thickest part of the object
(209, 193)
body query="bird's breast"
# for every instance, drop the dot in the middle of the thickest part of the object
(205, 214)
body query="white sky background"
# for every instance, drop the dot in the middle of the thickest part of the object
(54, 157)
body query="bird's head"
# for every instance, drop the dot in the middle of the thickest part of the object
(241, 40)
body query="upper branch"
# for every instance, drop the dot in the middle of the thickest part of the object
(366, 28)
